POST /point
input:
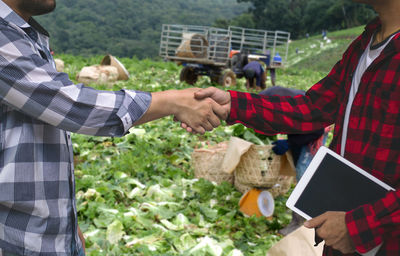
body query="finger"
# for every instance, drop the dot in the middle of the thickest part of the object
(199, 129)
(207, 126)
(187, 128)
(204, 93)
(219, 110)
(190, 130)
(214, 121)
(184, 125)
(315, 222)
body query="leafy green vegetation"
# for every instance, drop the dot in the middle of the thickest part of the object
(137, 194)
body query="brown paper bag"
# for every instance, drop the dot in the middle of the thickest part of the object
(236, 148)
(287, 165)
(299, 242)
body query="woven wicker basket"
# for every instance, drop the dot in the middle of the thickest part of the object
(283, 185)
(241, 187)
(207, 163)
(259, 167)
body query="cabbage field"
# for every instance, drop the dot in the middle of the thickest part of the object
(137, 195)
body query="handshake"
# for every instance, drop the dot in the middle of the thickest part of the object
(198, 110)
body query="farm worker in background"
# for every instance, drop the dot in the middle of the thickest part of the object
(272, 75)
(255, 75)
(361, 96)
(39, 107)
(276, 61)
(303, 147)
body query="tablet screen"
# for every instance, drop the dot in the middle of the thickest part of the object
(334, 185)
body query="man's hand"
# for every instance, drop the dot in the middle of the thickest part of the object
(222, 109)
(200, 114)
(331, 227)
(223, 98)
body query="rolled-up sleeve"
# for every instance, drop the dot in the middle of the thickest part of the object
(30, 84)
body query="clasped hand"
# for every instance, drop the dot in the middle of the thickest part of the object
(202, 109)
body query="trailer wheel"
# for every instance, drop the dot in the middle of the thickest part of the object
(227, 79)
(188, 75)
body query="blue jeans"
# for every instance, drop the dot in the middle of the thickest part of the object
(81, 251)
(306, 155)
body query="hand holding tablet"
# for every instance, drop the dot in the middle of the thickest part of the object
(332, 183)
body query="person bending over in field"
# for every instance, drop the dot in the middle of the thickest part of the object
(255, 75)
(361, 96)
(39, 107)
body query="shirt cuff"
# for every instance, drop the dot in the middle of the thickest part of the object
(235, 114)
(363, 229)
(134, 106)
(372, 252)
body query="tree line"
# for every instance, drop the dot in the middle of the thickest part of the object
(301, 17)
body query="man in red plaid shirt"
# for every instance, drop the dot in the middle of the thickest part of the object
(361, 96)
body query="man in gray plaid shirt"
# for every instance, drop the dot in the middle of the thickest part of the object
(39, 107)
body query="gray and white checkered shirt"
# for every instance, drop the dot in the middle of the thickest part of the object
(38, 108)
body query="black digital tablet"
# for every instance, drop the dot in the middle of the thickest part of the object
(332, 183)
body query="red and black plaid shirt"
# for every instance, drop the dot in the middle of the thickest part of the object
(373, 141)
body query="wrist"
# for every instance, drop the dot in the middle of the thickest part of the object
(168, 102)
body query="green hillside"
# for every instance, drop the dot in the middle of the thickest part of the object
(315, 58)
(127, 27)
(318, 54)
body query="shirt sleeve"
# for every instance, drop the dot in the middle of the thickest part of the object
(30, 84)
(270, 115)
(369, 225)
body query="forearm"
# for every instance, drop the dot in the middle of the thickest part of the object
(301, 114)
(274, 114)
(76, 108)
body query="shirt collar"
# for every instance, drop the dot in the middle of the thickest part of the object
(10, 16)
(373, 26)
